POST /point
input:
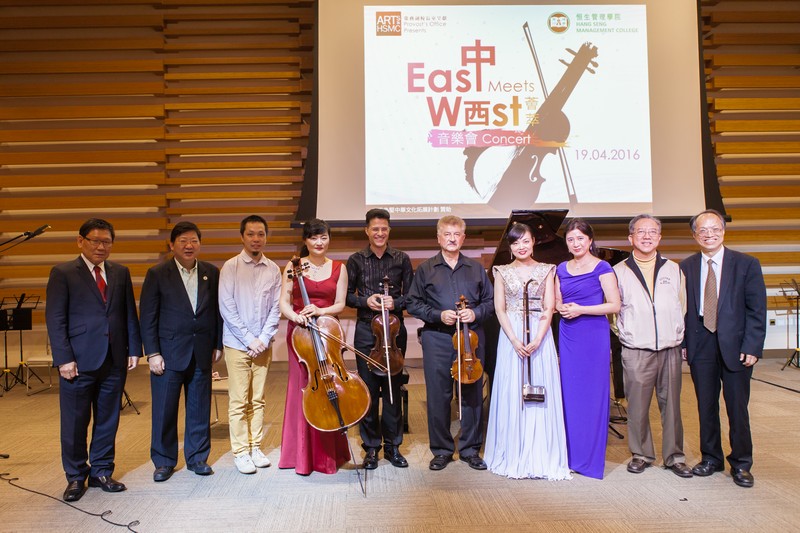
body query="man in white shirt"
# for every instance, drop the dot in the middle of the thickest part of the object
(249, 293)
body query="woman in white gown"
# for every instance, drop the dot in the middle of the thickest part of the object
(525, 439)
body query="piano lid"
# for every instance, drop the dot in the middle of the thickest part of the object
(549, 247)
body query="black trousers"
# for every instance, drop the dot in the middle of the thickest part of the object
(95, 396)
(166, 393)
(438, 355)
(709, 375)
(380, 425)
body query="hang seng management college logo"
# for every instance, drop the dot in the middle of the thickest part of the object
(388, 23)
(558, 22)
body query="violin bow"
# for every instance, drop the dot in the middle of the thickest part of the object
(385, 316)
(353, 349)
(458, 358)
(573, 199)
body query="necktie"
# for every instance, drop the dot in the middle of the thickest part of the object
(710, 299)
(101, 283)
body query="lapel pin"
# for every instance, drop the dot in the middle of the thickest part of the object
(205, 278)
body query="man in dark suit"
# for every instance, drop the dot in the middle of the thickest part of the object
(725, 330)
(94, 335)
(182, 334)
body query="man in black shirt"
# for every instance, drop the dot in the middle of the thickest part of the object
(438, 284)
(365, 272)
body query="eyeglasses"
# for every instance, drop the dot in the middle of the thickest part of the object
(652, 232)
(705, 232)
(97, 242)
(184, 242)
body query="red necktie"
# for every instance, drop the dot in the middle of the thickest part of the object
(101, 283)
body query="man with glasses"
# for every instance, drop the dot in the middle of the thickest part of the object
(182, 335)
(726, 324)
(94, 335)
(438, 284)
(650, 325)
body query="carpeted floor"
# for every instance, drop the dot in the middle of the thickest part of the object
(414, 499)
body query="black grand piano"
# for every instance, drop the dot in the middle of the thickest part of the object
(549, 248)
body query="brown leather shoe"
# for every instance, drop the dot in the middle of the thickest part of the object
(680, 469)
(637, 466)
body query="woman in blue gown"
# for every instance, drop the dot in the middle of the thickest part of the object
(586, 292)
(525, 439)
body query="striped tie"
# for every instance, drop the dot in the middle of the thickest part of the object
(710, 299)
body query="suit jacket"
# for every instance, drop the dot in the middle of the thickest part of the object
(81, 327)
(741, 307)
(169, 324)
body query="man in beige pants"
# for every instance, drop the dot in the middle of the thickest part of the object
(651, 325)
(249, 291)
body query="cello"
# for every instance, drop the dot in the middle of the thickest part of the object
(467, 368)
(334, 398)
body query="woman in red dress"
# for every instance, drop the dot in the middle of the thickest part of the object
(302, 447)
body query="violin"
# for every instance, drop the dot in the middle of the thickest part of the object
(385, 328)
(467, 368)
(520, 174)
(334, 398)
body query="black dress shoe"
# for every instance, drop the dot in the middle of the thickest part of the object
(394, 456)
(680, 469)
(201, 468)
(474, 461)
(742, 477)
(107, 483)
(705, 468)
(637, 465)
(163, 473)
(371, 459)
(74, 491)
(439, 462)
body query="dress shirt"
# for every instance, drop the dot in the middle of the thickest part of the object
(90, 266)
(365, 273)
(437, 287)
(189, 278)
(717, 262)
(249, 293)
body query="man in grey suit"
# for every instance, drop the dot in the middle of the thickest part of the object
(94, 335)
(182, 334)
(726, 319)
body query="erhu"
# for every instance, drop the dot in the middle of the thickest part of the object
(530, 393)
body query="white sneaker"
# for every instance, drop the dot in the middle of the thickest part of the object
(259, 459)
(244, 463)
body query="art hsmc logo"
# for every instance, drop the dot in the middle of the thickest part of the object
(388, 23)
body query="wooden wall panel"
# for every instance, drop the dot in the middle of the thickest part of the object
(147, 112)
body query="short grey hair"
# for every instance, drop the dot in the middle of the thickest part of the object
(643, 216)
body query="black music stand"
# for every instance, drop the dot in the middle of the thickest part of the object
(791, 292)
(16, 314)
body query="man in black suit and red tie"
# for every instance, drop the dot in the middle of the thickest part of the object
(726, 324)
(94, 335)
(182, 335)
